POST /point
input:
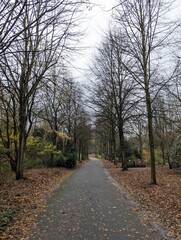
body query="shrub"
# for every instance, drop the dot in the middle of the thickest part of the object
(59, 160)
(6, 217)
(176, 153)
(38, 132)
(38, 152)
(136, 153)
(71, 160)
(35, 162)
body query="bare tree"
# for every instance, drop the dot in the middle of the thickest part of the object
(104, 138)
(45, 28)
(140, 20)
(10, 12)
(138, 128)
(61, 106)
(115, 91)
(167, 115)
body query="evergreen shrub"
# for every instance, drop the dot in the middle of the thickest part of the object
(71, 160)
(176, 153)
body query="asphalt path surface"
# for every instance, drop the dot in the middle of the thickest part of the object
(88, 206)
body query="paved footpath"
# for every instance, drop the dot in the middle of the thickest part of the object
(87, 206)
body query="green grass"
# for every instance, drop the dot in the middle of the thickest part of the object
(6, 217)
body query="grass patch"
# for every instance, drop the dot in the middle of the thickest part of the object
(6, 217)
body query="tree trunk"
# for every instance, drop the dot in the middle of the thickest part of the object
(22, 143)
(122, 150)
(151, 138)
(162, 146)
(110, 150)
(113, 144)
(114, 151)
(51, 159)
(55, 144)
(141, 147)
(82, 152)
(79, 151)
(22, 128)
(169, 162)
(148, 105)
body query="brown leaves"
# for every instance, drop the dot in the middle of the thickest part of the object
(28, 197)
(163, 200)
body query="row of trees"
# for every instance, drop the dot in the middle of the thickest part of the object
(136, 86)
(34, 85)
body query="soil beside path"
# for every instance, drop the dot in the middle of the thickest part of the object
(89, 207)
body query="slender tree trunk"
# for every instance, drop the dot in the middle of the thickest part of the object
(82, 152)
(114, 151)
(113, 144)
(163, 153)
(75, 137)
(141, 147)
(51, 159)
(122, 150)
(146, 72)
(54, 142)
(151, 138)
(169, 162)
(22, 140)
(79, 153)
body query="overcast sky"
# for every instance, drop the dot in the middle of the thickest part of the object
(96, 22)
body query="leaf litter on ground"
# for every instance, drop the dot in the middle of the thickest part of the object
(26, 198)
(162, 201)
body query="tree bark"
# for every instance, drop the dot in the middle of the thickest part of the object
(122, 150)
(22, 140)
(151, 137)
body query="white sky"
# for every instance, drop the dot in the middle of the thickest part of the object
(96, 22)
